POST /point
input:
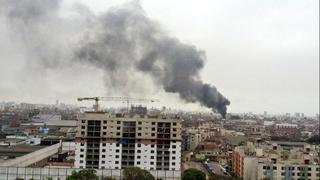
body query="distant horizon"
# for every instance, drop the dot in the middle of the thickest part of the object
(121, 105)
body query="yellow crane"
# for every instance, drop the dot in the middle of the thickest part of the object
(123, 99)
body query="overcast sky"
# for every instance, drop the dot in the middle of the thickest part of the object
(263, 55)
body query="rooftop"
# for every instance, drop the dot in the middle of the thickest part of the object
(105, 116)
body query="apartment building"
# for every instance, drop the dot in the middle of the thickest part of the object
(117, 141)
(243, 160)
(191, 140)
(287, 170)
(274, 162)
(191, 137)
(286, 126)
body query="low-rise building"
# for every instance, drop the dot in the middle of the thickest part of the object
(267, 161)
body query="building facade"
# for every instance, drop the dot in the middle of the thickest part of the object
(117, 141)
(242, 163)
(274, 162)
(290, 171)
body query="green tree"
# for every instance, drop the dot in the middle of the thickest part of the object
(135, 173)
(314, 139)
(193, 174)
(86, 174)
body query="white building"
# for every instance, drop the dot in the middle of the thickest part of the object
(268, 123)
(286, 125)
(117, 141)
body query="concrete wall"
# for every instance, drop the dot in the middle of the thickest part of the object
(68, 146)
(11, 173)
(33, 157)
(248, 168)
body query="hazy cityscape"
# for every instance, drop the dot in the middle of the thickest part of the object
(147, 90)
(52, 137)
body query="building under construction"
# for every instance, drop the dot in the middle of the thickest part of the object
(151, 141)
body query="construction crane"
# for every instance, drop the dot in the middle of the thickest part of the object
(96, 106)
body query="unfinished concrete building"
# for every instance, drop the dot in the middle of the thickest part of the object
(117, 141)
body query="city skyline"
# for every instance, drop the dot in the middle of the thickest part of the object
(262, 56)
(159, 106)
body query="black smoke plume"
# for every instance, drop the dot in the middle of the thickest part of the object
(121, 41)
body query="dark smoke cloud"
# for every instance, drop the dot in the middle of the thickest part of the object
(124, 41)
(38, 29)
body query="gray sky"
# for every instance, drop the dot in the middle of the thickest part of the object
(262, 55)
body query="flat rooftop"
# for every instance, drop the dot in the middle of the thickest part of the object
(105, 115)
(19, 148)
(58, 123)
